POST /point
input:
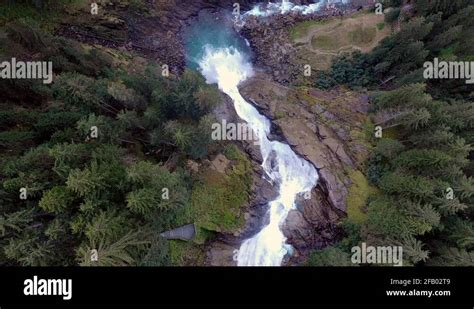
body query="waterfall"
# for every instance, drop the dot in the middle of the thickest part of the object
(286, 6)
(227, 67)
(220, 54)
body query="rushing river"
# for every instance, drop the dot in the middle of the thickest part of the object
(286, 6)
(224, 58)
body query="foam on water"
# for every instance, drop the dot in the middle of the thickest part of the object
(286, 6)
(227, 67)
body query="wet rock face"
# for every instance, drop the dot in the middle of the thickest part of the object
(221, 251)
(313, 224)
(151, 28)
(271, 44)
(262, 190)
(161, 32)
(325, 128)
(221, 254)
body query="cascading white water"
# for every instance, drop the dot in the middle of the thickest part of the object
(286, 6)
(228, 67)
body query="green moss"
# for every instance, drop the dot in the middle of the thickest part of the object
(390, 133)
(304, 95)
(217, 198)
(203, 235)
(380, 26)
(359, 192)
(184, 253)
(233, 153)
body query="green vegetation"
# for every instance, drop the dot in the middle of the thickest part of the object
(301, 29)
(423, 165)
(362, 35)
(217, 198)
(186, 254)
(398, 60)
(115, 191)
(359, 193)
(45, 12)
(319, 42)
(324, 42)
(329, 257)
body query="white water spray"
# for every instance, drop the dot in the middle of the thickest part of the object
(286, 6)
(228, 67)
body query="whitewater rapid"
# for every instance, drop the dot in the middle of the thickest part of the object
(286, 6)
(227, 67)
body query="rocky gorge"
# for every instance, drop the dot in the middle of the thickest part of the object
(330, 129)
(327, 128)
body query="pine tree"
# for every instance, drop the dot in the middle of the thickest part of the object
(15, 221)
(413, 250)
(126, 97)
(29, 250)
(179, 134)
(100, 128)
(143, 201)
(69, 156)
(439, 139)
(112, 252)
(422, 217)
(142, 172)
(422, 160)
(450, 206)
(385, 219)
(155, 188)
(158, 254)
(56, 200)
(108, 224)
(407, 185)
(412, 96)
(206, 99)
(86, 182)
(329, 256)
(465, 188)
(389, 148)
(450, 256)
(461, 232)
(445, 39)
(447, 7)
(416, 119)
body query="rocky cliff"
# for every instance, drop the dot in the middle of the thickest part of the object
(326, 128)
(151, 28)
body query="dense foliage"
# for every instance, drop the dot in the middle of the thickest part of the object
(100, 155)
(423, 164)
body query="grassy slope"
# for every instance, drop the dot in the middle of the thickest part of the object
(320, 41)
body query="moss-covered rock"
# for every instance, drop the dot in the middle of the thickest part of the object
(359, 193)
